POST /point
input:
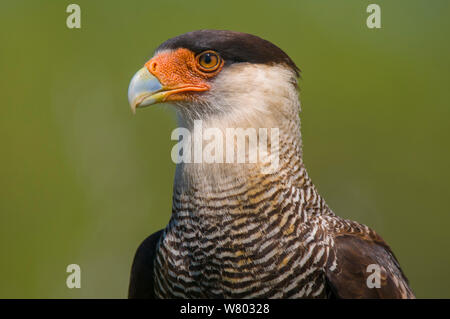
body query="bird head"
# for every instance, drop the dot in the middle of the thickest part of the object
(210, 72)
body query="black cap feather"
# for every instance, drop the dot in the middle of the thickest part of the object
(234, 47)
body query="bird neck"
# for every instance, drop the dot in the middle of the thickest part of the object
(204, 187)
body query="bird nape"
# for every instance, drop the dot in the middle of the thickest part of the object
(236, 230)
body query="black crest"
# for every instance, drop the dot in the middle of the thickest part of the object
(234, 47)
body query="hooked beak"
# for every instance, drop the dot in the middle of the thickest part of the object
(144, 90)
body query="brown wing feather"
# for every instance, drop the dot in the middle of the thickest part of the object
(354, 253)
(141, 279)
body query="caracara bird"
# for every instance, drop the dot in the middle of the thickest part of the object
(237, 231)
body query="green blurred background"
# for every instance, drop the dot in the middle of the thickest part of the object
(84, 181)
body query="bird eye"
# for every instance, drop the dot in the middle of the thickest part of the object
(208, 61)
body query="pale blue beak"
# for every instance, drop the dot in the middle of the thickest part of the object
(144, 90)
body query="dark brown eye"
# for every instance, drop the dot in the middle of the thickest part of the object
(208, 61)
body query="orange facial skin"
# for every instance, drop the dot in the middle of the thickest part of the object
(180, 74)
